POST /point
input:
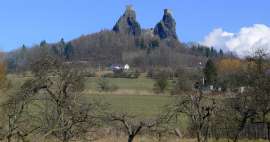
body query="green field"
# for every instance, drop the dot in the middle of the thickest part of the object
(134, 96)
(139, 105)
(124, 83)
(139, 86)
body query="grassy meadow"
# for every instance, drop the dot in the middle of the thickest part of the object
(135, 96)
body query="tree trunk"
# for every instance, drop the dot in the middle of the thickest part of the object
(236, 138)
(130, 138)
(21, 137)
(205, 136)
(268, 131)
(9, 138)
(65, 140)
(198, 137)
(159, 137)
(65, 137)
(241, 127)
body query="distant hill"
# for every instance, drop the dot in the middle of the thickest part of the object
(127, 42)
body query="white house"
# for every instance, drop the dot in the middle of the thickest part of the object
(242, 89)
(126, 67)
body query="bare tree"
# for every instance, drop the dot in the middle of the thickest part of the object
(199, 109)
(243, 110)
(18, 119)
(65, 113)
(51, 104)
(133, 124)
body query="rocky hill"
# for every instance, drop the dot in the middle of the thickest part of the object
(127, 42)
(127, 23)
(166, 28)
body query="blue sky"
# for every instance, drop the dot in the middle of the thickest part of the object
(30, 21)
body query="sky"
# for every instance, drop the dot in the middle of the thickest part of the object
(210, 22)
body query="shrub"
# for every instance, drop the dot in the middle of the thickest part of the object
(89, 74)
(161, 83)
(154, 73)
(129, 74)
(182, 84)
(185, 82)
(105, 85)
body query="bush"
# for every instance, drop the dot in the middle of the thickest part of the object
(108, 75)
(129, 74)
(154, 73)
(89, 74)
(161, 83)
(185, 82)
(133, 74)
(182, 84)
(105, 85)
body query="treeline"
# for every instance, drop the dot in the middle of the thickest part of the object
(107, 47)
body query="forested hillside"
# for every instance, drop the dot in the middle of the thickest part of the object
(126, 43)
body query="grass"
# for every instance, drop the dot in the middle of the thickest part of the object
(134, 95)
(140, 138)
(124, 83)
(135, 104)
(147, 139)
(141, 106)
(16, 80)
(139, 86)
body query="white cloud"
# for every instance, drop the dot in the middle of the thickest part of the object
(242, 43)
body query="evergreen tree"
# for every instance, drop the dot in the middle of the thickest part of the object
(210, 72)
(207, 52)
(213, 52)
(44, 48)
(62, 41)
(22, 53)
(61, 47)
(221, 52)
(43, 43)
(68, 51)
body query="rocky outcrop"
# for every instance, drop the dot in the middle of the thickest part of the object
(166, 28)
(127, 23)
(148, 32)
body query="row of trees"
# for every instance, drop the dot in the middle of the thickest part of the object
(209, 52)
(106, 47)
